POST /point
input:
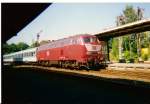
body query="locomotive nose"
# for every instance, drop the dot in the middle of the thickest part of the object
(94, 55)
(92, 48)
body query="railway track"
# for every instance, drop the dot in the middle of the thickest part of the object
(134, 75)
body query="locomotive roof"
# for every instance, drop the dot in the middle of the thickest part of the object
(78, 35)
(73, 36)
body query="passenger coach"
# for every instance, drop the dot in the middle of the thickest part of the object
(28, 55)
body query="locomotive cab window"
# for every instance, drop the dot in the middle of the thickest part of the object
(90, 40)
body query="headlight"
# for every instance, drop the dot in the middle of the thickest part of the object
(94, 47)
(88, 53)
(99, 52)
(91, 53)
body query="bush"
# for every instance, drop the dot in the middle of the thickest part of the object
(113, 57)
(129, 58)
(145, 57)
(127, 55)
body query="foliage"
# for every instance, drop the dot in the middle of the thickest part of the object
(44, 42)
(34, 44)
(9, 48)
(127, 55)
(114, 52)
(145, 57)
(6, 48)
(22, 46)
(130, 14)
(145, 39)
(129, 42)
(125, 44)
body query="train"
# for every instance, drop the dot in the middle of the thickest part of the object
(83, 50)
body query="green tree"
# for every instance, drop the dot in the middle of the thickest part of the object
(114, 51)
(129, 43)
(22, 46)
(10, 48)
(13, 47)
(44, 42)
(130, 14)
(34, 44)
(6, 49)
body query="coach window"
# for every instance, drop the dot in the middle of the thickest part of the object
(19, 55)
(34, 53)
(25, 54)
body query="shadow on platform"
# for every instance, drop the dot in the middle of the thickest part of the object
(27, 86)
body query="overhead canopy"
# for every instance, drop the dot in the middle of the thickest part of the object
(15, 16)
(134, 27)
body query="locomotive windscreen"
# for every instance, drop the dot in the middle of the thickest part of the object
(90, 40)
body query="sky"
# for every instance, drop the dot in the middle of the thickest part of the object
(61, 20)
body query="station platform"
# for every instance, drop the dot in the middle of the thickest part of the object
(129, 66)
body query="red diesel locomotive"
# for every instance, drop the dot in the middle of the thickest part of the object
(75, 51)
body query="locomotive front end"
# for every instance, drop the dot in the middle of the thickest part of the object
(94, 55)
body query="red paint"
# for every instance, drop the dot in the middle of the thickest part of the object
(73, 50)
